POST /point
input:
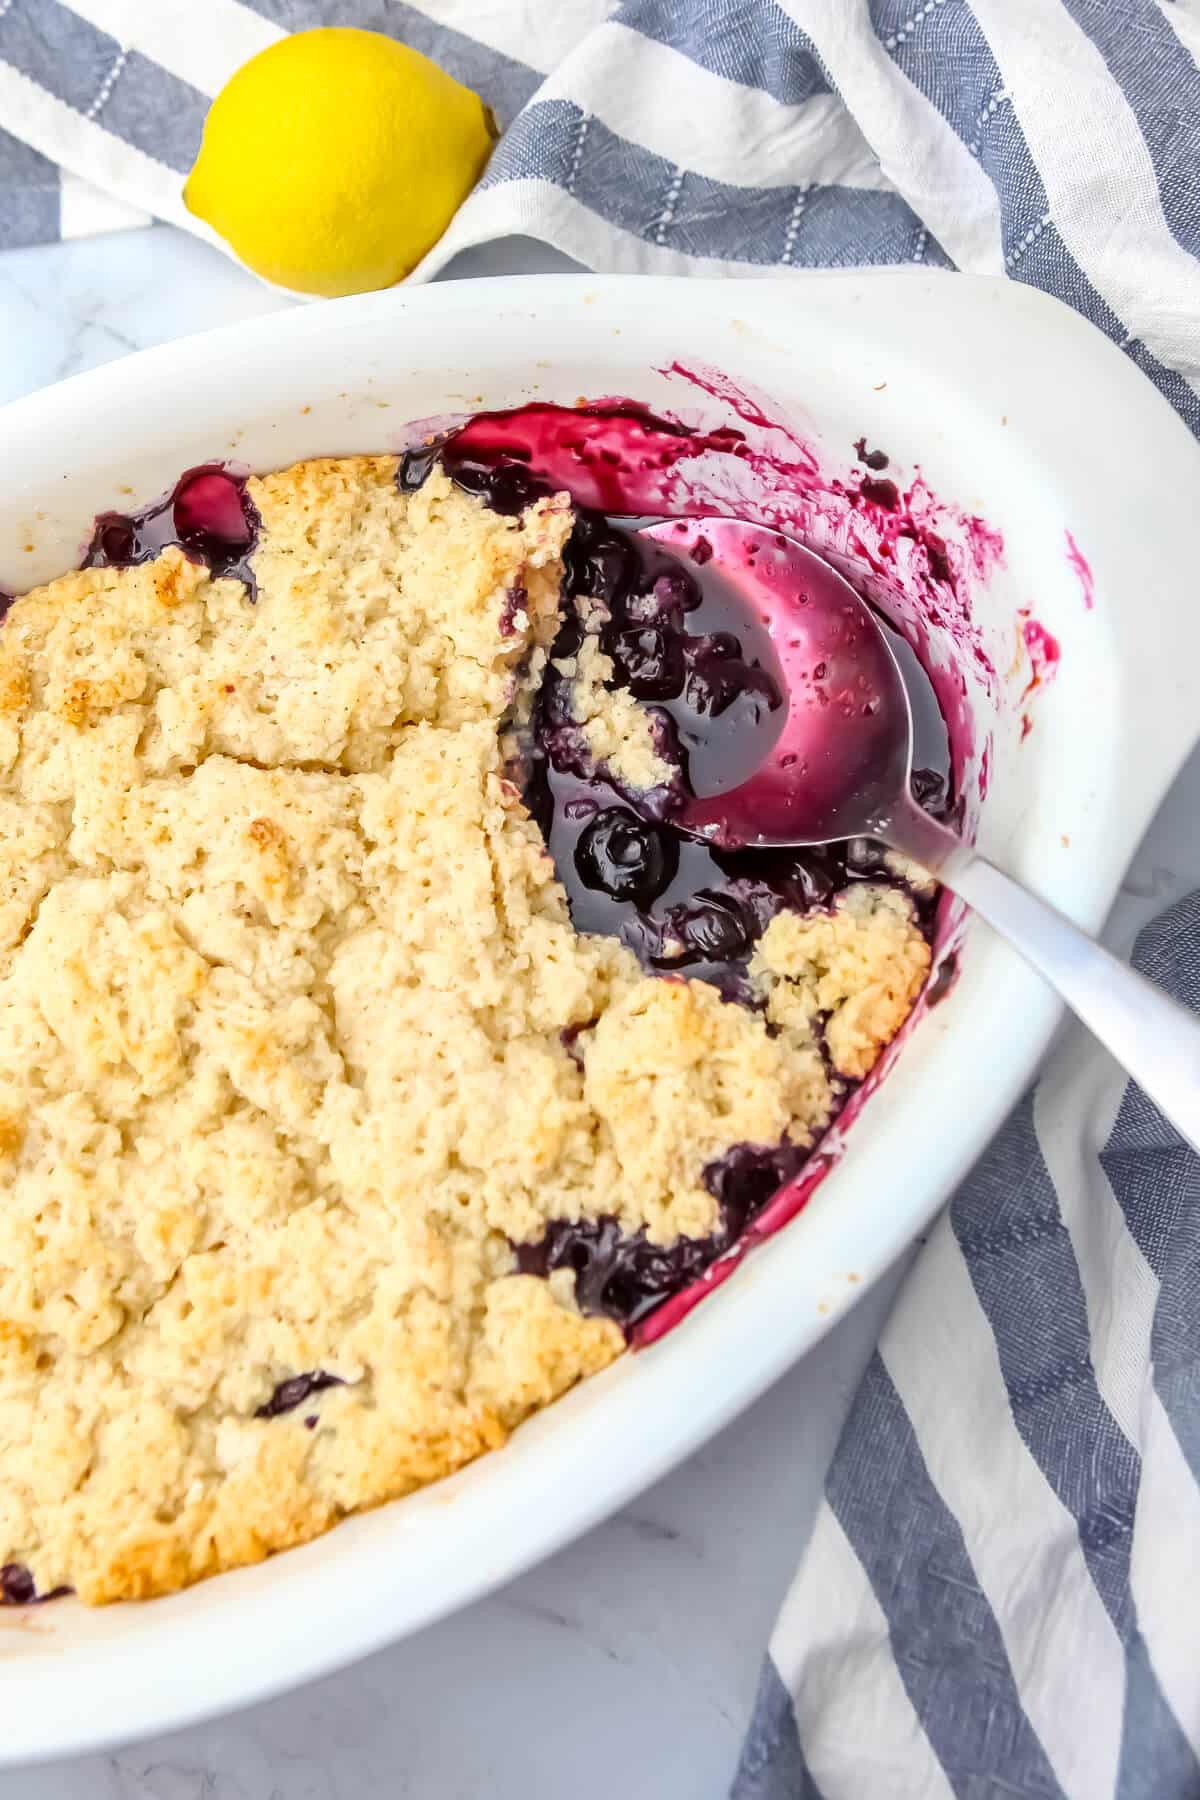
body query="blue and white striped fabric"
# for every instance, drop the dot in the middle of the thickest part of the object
(1001, 1595)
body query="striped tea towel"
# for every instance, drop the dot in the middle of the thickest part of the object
(1001, 1596)
(1050, 139)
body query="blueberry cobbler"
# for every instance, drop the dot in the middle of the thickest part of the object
(374, 1052)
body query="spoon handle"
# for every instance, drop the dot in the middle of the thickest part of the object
(1151, 1035)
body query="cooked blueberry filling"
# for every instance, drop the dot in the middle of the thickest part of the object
(716, 904)
(683, 644)
(616, 1273)
(623, 1275)
(17, 1588)
(208, 514)
(605, 453)
(744, 1179)
(507, 488)
(294, 1392)
(708, 913)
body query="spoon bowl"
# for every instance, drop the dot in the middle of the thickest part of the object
(841, 765)
(844, 752)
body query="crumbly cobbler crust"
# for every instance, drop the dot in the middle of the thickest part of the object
(284, 977)
(618, 732)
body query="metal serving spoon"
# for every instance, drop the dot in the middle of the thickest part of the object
(840, 768)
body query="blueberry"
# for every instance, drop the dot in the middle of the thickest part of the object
(515, 600)
(115, 541)
(599, 563)
(508, 488)
(746, 1177)
(652, 661)
(717, 676)
(294, 1391)
(712, 684)
(939, 560)
(623, 856)
(17, 1588)
(566, 748)
(416, 466)
(208, 513)
(673, 594)
(880, 492)
(929, 790)
(121, 539)
(618, 1274)
(874, 459)
(555, 705)
(624, 1276)
(664, 734)
(715, 928)
(16, 1585)
(764, 880)
(210, 507)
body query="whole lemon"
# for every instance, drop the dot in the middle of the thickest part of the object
(333, 160)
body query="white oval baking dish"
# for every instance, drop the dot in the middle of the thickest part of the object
(1015, 409)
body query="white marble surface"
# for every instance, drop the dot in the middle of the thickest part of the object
(626, 1665)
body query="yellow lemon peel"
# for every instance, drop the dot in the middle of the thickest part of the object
(335, 159)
